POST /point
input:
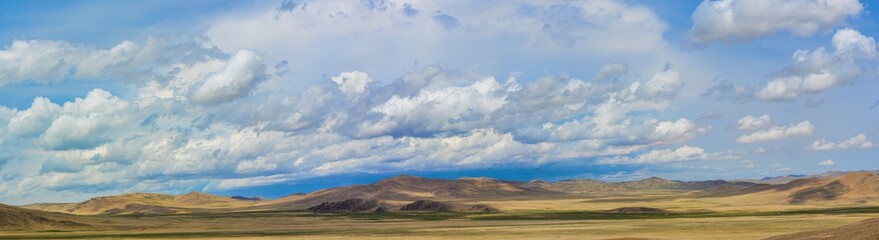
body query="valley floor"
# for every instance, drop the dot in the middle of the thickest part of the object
(556, 225)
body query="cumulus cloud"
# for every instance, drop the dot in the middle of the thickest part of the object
(828, 162)
(45, 61)
(352, 82)
(50, 61)
(439, 110)
(743, 20)
(815, 71)
(34, 120)
(87, 122)
(754, 123)
(432, 119)
(684, 153)
(680, 130)
(857, 142)
(804, 128)
(242, 73)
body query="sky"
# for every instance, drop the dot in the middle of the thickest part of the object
(270, 98)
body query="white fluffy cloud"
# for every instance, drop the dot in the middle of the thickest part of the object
(87, 122)
(34, 120)
(352, 82)
(45, 61)
(430, 119)
(828, 162)
(851, 44)
(684, 153)
(804, 128)
(452, 108)
(754, 123)
(677, 131)
(815, 71)
(743, 20)
(857, 142)
(242, 72)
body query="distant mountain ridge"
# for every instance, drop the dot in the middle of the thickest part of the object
(410, 188)
(405, 189)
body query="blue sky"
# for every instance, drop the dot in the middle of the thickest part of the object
(269, 98)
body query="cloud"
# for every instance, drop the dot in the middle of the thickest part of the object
(158, 139)
(257, 165)
(744, 20)
(242, 73)
(35, 120)
(851, 44)
(857, 142)
(500, 32)
(352, 82)
(451, 108)
(87, 122)
(815, 71)
(684, 153)
(45, 61)
(827, 162)
(430, 119)
(727, 90)
(611, 70)
(754, 123)
(804, 128)
(677, 131)
(50, 61)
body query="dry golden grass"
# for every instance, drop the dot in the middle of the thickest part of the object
(221, 224)
(341, 228)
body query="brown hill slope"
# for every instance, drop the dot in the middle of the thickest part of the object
(577, 186)
(863, 230)
(652, 183)
(143, 203)
(407, 188)
(410, 188)
(15, 218)
(855, 187)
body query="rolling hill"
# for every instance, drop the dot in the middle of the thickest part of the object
(144, 203)
(15, 218)
(850, 187)
(407, 188)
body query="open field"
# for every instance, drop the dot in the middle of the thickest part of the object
(533, 224)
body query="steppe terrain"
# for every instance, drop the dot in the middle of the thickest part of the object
(840, 205)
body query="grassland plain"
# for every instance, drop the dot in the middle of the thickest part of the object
(535, 224)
